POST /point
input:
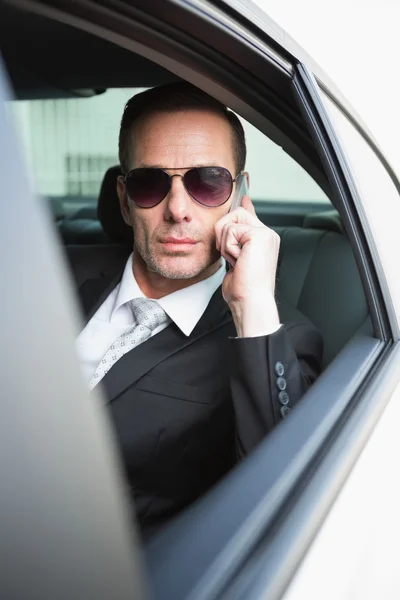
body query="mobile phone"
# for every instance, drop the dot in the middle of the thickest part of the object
(241, 189)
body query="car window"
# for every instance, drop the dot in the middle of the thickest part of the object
(70, 143)
(274, 175)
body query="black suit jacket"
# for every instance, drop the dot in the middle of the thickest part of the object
(184, 408)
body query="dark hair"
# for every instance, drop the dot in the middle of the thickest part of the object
(175, 97)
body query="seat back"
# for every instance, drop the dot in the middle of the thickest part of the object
(109, 210)
(98, 225)
(318, 277)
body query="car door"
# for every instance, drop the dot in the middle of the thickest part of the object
(349, 552)
(64, 527)
(250, 535)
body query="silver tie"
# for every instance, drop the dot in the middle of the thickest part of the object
(148, 315)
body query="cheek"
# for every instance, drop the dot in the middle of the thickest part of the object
(143, 225)
(215, 216)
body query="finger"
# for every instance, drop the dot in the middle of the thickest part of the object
(219, 229)
(242, 215)
(224, 251)
(237, 235)
(239, 215)
(233, 238)
(230, 241)
(248, 205)
(232, 245)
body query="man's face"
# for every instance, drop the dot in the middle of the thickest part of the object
(176, 142)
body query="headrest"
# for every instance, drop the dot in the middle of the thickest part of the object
(328, 219)
(109, 210)
(56, 207)
(82, 231)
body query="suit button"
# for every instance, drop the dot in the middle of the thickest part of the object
(285, 410)
(283, 398)
(281, 383)
(279, 369)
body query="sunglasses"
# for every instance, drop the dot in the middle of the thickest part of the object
(209, 186)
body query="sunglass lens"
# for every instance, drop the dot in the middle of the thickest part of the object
(210, 186)
(147, 187)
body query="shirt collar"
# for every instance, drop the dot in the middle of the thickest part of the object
(128, 288)
(185, 307)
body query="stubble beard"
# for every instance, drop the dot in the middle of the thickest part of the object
(155, 264)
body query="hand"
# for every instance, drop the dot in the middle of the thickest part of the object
(252, 250)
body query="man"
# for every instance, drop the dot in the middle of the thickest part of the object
(196, 376)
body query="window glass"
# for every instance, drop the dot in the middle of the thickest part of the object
(70, 143)
(274, 175)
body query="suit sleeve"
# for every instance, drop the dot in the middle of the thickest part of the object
(269, 376)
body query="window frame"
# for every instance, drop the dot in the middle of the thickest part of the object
(345, 195)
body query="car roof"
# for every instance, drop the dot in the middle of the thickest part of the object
(81, 64)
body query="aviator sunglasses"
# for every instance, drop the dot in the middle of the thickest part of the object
(209, 186)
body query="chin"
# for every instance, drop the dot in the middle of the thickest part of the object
(180, 266)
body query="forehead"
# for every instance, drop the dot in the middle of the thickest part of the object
(183, 139)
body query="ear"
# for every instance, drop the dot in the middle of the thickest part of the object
(246, 174)
(123, 201)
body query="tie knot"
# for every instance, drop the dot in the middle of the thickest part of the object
(148, 313)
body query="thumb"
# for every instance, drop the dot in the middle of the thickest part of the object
(248, 205)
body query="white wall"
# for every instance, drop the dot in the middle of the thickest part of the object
(52, 129)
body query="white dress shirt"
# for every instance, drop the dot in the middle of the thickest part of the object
(184, 307)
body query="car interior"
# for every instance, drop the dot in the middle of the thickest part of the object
(318, 277)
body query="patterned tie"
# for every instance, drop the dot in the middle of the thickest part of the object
(148, 315)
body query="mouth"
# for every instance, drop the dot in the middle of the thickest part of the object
(172, 243)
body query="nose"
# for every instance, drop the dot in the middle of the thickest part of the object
(178, 204)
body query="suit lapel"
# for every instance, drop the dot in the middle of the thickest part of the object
(96, 270)
(136, 363)
(94, 291)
